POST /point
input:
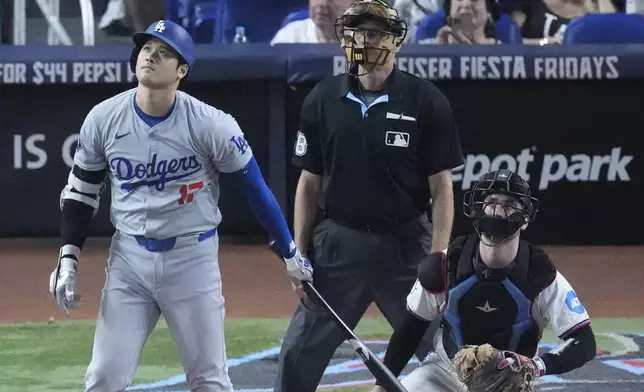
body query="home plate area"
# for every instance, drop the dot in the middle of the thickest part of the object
(619, 371)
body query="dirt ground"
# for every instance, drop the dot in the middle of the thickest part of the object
(608, 280)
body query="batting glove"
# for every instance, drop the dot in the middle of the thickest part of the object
(298, 267)
(62, 281)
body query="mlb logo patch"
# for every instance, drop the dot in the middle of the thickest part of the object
(397, 139)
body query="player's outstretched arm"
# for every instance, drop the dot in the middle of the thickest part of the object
(270, 216)
(485, 367)
(566, 315)
(578, 348)
(232, 155)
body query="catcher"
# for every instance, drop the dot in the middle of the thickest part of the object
(492, 295)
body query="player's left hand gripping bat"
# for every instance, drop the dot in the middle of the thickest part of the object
(384, 376)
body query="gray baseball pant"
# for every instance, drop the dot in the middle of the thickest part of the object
(436, 373)
(183, 284)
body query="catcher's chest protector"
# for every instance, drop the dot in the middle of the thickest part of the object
(493, 306)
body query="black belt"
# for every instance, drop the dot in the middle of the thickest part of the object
(375, 227)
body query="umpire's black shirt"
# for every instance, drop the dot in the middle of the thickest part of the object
(375, 159)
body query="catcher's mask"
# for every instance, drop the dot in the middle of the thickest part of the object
(370, 32)
(498, 218)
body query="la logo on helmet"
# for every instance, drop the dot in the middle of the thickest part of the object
(160, 27)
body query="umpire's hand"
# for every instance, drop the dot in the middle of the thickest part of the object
(298, 288)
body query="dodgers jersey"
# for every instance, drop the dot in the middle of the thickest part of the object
(164, 179)
(557, 306)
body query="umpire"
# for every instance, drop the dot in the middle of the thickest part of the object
(374, 145)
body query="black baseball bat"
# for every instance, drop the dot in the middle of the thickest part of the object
(381, 372)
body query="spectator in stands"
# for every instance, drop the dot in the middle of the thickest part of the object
(123, 17)
(469, 22)
(543, 22)
(413, 11)
(144, 12)
(115, 21)
(318, 28)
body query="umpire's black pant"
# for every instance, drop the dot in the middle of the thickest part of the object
(352, 269)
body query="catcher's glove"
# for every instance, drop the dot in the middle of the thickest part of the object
(486, 369)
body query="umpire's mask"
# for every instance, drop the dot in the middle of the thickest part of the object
(370, 32)
(499, 205)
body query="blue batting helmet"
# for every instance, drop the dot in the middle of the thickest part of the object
(172, 34)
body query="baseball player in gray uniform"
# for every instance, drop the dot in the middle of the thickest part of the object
(162, 152)
(491, 287)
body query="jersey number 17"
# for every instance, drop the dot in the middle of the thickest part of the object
(188, 192)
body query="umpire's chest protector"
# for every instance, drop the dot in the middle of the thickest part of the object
(494, 305)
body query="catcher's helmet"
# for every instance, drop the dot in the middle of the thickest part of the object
(504, 182)
(370, 46)
(172, 34)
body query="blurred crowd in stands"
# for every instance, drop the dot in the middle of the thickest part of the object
(532, 22)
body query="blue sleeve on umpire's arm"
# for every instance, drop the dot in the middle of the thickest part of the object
(263, 203)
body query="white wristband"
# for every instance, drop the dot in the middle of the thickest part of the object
(70, 250)
(541, 366)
